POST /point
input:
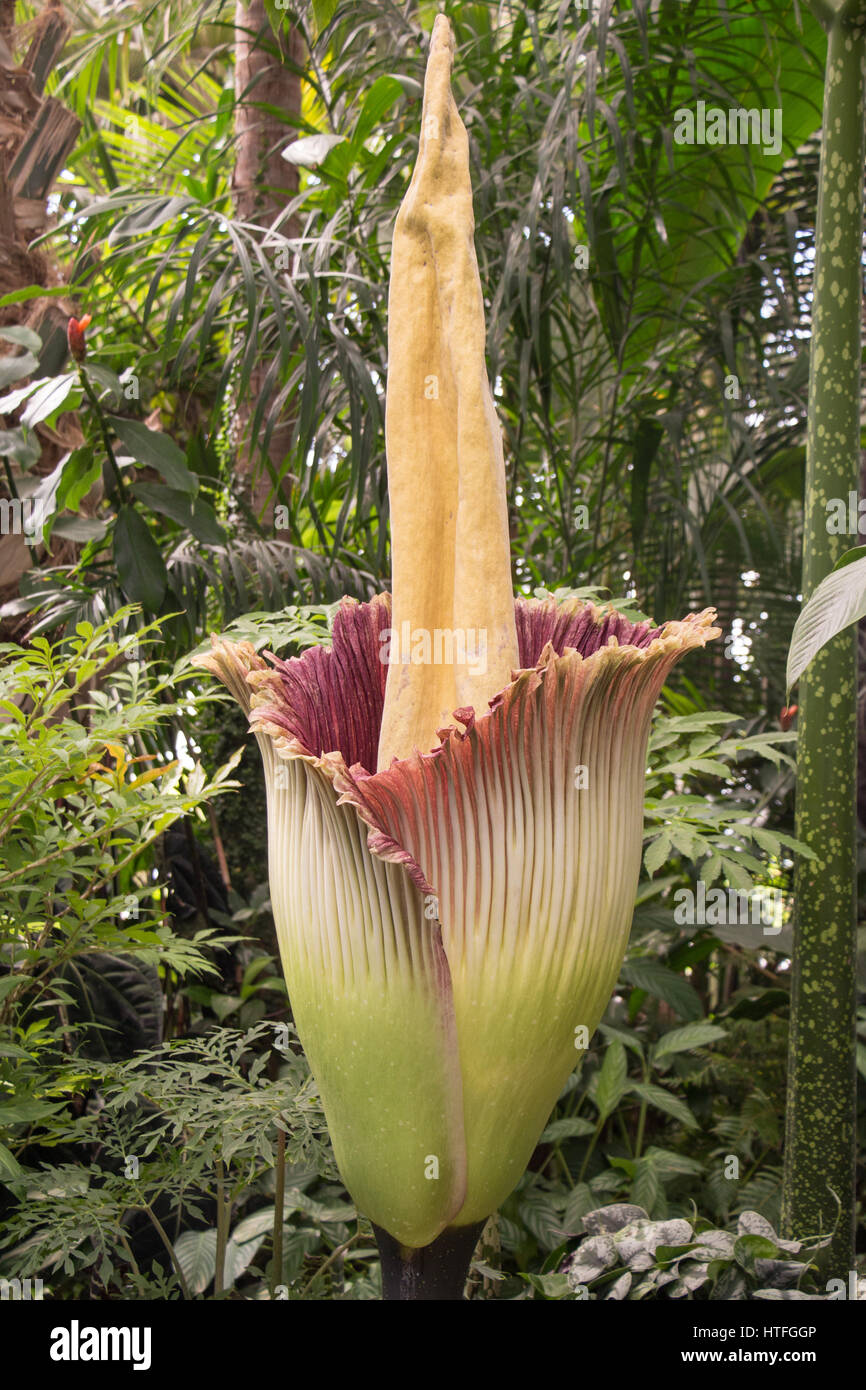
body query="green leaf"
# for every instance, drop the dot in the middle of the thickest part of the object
(196, 1255)
(664, 984)
(628, 1040)
(540, 1216)
(10, 1168)
(109, 382)
(571, 1127)
(857, 553)
(24, 337)
(612, 1079)
(140, 566)
(261, 1223)
(21, 446)
(748, 1249)
(580, 1201)
(657, 853)
(550, 1286)
(190, 512)
(379, 98)
(156, 450)
(81, 470)
(45, 496)
(33, 292)
(15, 398)
(54, 396)
(684, 1039)
(151, 213)
(671, 1164)
(648, 436)
(666, 1101)
(80, 528)
(838, 601)
(22, 1112)
(238, 1257)
(225, 1004)
(646, 1189)
(14, 368)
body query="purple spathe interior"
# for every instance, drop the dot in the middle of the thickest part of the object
(331, 700)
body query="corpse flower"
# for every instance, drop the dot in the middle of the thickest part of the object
(455, 788)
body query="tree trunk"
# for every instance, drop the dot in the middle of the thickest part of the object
(267, 74)
(36, 136)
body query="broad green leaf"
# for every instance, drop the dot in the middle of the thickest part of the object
(190, 512)
(45, 496)
(628, 1040)
(196, 1255)
(666, 1101)
(710, 193)
(15, 398)
(239, 1257)
(684, 1039)
(14, 368)
(26, 1111)
(155, 450)
(24, 337)
(140, 566)
(57, 394)
(671, 1164)
(261, 1223)
(838, 601)
(19, 445)
(580, 1201)
(109, 382)
(80, 528)
(571, 1127)
(657, 853)
(612, 1079)
(10, 1168)
(646, 1189)
(81, 470)
(664, 984)
(749, 1248)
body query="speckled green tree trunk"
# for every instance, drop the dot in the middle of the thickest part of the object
(818, 1192)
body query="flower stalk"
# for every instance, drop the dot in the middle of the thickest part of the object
(818, 1182)
(436, 1272)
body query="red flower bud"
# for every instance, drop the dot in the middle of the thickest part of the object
(787, 715)
(75, 337)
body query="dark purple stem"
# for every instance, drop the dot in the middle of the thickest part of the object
(436, 1271)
